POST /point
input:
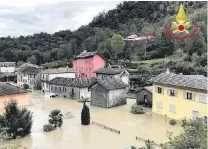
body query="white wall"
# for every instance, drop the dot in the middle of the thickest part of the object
(65, 75)
(45, 85)
(85, 93)
(7, 69)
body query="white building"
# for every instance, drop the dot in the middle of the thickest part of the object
(28, 74)
(113, 73)
(49, 74)
(7, 67)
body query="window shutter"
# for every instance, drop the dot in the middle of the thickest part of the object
(156, 89)
(193, 96)
(162, 90)
(168, 92)
(176, 93)
(184, 95)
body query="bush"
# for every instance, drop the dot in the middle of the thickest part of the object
(48, 127)
(184, 122)
(26, 86)
(85, 115)
(172, 122)
(55, 118)
(137, 109)
(193, 136)
(15, 122)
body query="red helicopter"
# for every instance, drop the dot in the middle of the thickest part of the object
(135, 37)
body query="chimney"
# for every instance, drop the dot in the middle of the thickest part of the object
(167, 71)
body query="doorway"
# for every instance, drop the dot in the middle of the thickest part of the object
(195, 114)
(145, 98)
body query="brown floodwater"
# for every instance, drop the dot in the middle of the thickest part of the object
(72, 135)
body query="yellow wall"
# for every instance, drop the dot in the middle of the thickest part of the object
(184, 107)
(22, 100)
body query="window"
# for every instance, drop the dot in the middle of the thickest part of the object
(65, 89)
(171, 92)
(188, 95)
(203, 98)
(59, 89)
(159, 90)
(51, 87)
(86, 61)
(172, 108)
(89, 68)
(159, 104)
(55, 88)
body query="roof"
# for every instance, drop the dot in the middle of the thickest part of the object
(8, 89)
(31, 70)
(26, 65)
(7, 64)
(181, 80)
(73, 82)
(85, 54)
(59, 70)
(135, 77)
(111, 84)
(148, 88)
(110, 71)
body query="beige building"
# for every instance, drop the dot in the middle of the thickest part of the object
(28, 74)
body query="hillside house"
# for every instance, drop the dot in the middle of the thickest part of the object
(7, 67)
(178, 96)
(10, 92)
(73, 88)
(144, 95)
(28, 74)
(86, 63)
(113, 73)
(50, 74)
(108, 93)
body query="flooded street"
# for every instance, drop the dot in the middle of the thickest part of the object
(75, 136)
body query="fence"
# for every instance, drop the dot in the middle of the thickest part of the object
(106, 127)
(155, 144)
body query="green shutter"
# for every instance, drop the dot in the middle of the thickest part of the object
(184, 95)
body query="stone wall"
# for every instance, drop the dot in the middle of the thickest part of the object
(117, 97)
(140, 97)
(99, 96)
(62, 92)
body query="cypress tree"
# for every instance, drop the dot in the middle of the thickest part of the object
(85, 115)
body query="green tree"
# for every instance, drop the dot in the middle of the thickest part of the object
(55, 118)
(117, 44)
(15, 122)
(85, 115)
(33, 59)
(194, 136)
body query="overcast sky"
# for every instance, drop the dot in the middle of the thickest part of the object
(25, 17)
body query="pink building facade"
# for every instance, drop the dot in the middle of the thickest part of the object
(86, 63)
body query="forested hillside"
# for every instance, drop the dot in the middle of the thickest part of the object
(105, 34)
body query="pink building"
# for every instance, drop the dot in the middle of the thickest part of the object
(86, 63)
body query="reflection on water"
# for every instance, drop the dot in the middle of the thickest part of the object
(73, 135)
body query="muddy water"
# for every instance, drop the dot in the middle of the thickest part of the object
(72, 135)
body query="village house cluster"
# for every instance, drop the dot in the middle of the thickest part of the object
(94, 78)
